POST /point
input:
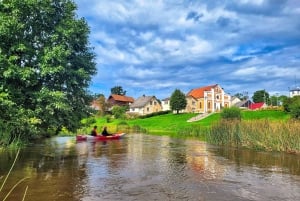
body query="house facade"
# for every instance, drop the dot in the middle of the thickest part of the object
(145, 105)
(119, 100)
(295, 92)
(165, 103)
(207, 99)
(257, 106)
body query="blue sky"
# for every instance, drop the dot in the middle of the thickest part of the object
(153, 47)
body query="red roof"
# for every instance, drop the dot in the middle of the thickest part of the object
(121, 98)
(254, 106)
(199, 92)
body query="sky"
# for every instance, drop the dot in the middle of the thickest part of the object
(152, 47)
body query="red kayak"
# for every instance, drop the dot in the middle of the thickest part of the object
(99, 137)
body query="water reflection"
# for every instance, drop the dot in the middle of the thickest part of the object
(145, 167)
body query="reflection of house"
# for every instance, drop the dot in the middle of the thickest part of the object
(165, 103)
(119, 100)
(295, 92)
(257, 106)
(145, 105)
(207, 99)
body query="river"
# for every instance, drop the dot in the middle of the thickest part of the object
(147, 167)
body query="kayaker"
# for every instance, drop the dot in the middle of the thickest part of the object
(104, 132)
(94, 131)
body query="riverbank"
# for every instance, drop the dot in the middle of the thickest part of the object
(270, 130)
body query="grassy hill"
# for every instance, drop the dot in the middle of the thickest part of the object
(173, 123)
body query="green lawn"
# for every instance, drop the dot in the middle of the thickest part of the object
(172, 123)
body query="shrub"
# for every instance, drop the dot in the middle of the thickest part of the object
(295, 110)
(231, 113)
(119, 112)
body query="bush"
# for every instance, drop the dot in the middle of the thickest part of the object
(119, 112)
(295, 110)
(292, 106)
(231, 113)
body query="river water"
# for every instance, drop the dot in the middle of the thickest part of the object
(146, 167)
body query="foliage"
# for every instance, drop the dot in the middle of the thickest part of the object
(119, 111)
(258, 134)
(241, 96)
(45, 67)
(261, 96)
(292, 106)
(103, 105)
(118, 90)
(231, 113)
(178, 101)
(154, 114)
(295, 110)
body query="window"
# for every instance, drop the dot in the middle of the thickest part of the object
(193, 102)
(150, 102)
(200, 105)
(147, 109)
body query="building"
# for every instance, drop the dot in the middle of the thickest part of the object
(145, 105)
(119, 100)
(165, 103)
(257, 106)
(207, 99)
(244, 104)
(295, 92)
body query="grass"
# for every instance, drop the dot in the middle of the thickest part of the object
(261, 134)
(174, 123)
(263, 130)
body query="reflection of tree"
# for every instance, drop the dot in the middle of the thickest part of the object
(286, 162)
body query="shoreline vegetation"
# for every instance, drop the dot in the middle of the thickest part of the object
(265, 130)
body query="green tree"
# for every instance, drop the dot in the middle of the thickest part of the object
(118, 90)
(103, 106)
(178, 101)
(291, 105)
(261, 96)
(46, 66)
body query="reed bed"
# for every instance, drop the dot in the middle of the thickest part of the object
(257, 134)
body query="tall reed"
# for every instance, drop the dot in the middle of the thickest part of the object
(20, 181)
(257, 134)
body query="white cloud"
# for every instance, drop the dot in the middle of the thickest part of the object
(243, 44)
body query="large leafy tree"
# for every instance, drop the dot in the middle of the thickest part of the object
(178, 101)
(46, 65)
(261, 96)
(118, 90)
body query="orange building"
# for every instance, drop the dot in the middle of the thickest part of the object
(207, 99)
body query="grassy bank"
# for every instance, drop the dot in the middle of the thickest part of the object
(262, 130)
(260, 134)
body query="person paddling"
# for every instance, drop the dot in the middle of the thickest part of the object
(94, 131)
(105, 132)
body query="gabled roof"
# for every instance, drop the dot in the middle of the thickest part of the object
(121, 98)
(199, 92)
(244, 103)
(141, 101)
(255, 106)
